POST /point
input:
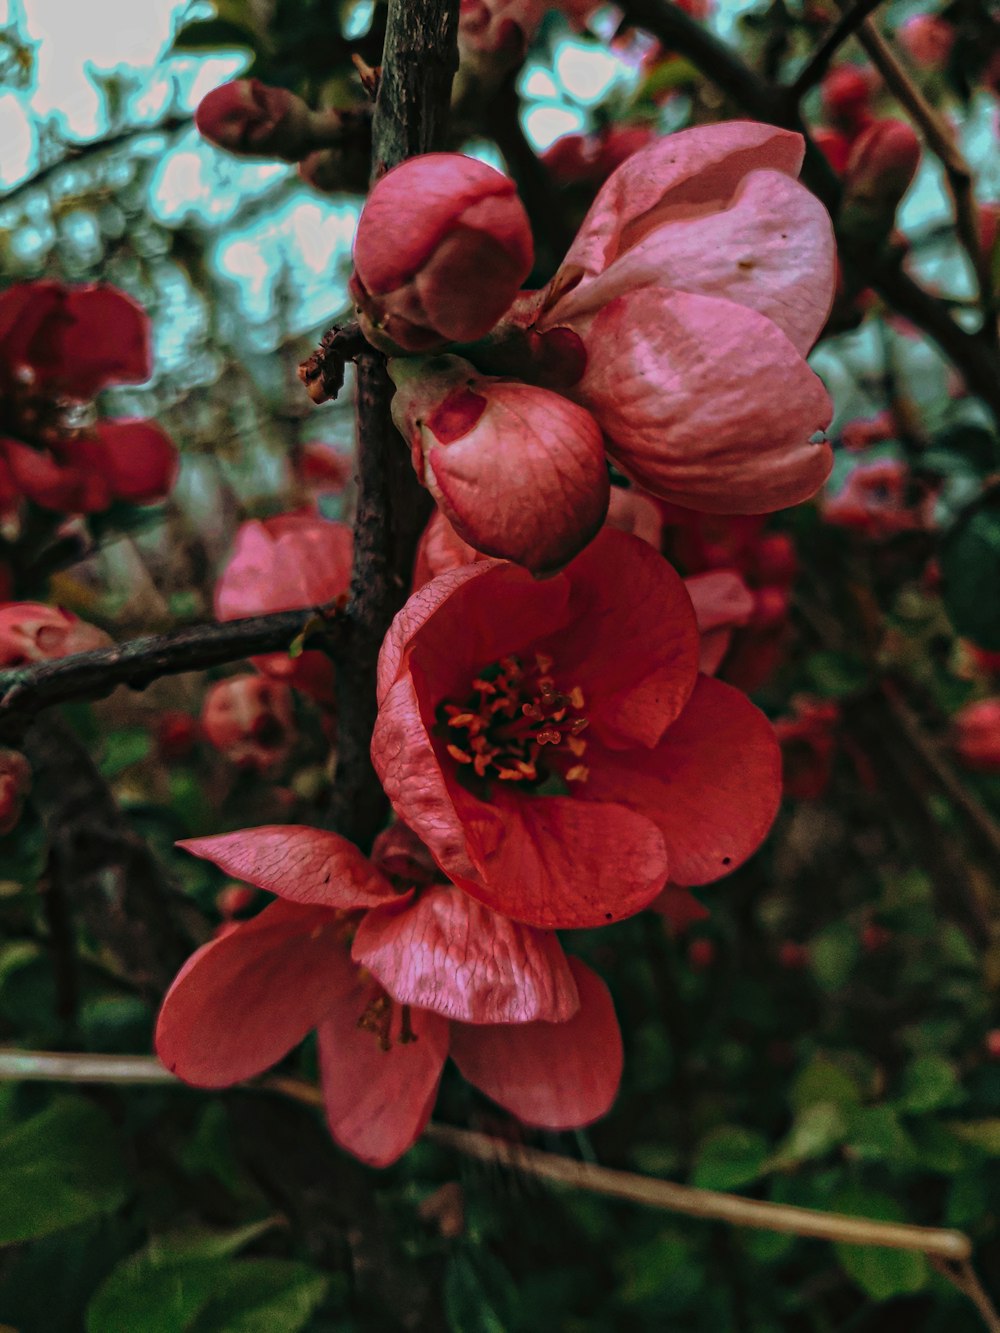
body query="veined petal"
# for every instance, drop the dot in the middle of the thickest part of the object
(245, 999)
(378, 1101)
(706, 403)
(556, 1075)
(713, 784)
(449, 953)
(771, 248)
(298, 863)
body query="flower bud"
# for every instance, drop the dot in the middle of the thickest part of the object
(883, 162)
(255, 120)
(518, 471)
(33, 632)
(249, 719)
(773, 560)
(701, 954)
(15, 780)
(927, 40)
(176, 734)
(977, 735)
(442, 247)
(846, 94)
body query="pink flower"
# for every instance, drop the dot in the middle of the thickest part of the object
(34, 632)
(249, 718)
(396, 972)
(253, 119)
(875, 501)
(927, 39)
(58, 347)
(722, 602)
(883, 162)
(553, 746)
(846, 92)
(15, 782)
(808, 739)
(699, 279)
(863, 433)
(442, 246)
(288, 563)
(976, 735)
(518, 471)
(589, 159)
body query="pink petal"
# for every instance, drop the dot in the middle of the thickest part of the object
(448, 953)
(679, 908)
(378, 1101)
(298, 863)
(690, 174)
(771, 249)
(556, 1075)
(713, 784)
(564, 863)
(635, 658)
(722, 601)
(705, 402)
(244, 1000)
(284, 564)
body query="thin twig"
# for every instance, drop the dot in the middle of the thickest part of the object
(26, 690)
(817, 64)
(941, 140)
(962, 1275)
(713, 1205)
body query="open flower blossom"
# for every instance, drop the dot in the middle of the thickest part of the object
(518, 470)
(442, 246)
(59, 346)
(700, 277)
(34, 632)
(396, 970)
(553, 745)
(288, 563)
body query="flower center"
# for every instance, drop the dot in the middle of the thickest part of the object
(517, 725)
(377, 1019)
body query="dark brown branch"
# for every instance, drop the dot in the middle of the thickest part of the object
(974, 357)
(817, 64)
(420, 58)
(106, 872)
(323, 372)
(26, 690)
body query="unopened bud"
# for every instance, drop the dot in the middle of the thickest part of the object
(249, 718)
(883, 162)
(253, 119)
(846, 93)
(518, 471)
(442, 247)
(927, 40)
(977, 735)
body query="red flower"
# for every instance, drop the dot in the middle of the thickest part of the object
(396, 973)
(927, 39)
(34, 632)
(699, 279)
(977, 735)
(249, 718)
(288, 563)
(722, 602)
(15, 781)
(846, 92)
(58, 347)
(875, 501)
(552, 744)
(808, 739)
(518, 471)
(442, 246)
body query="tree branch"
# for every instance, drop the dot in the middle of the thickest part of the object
(26, 690)
(817, 64)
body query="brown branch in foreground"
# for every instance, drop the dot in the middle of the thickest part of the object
(845, 28)
(651, 1192)
(978, 361)
(418, 64)
(941, 141)
(26, 690)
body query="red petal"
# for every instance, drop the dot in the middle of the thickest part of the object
(713, 784)
(140, 460)
(244, 1000)
(298, 863)
(94, 337)
(448, 953)
(635, 658)
(65, 488)
(557, 1075)
(724, 424)
(378, 1101)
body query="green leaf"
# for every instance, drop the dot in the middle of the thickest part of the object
(261, 1296)
(836, 675)
(930, 1082)
(215, 34)
(880, 1273)
(970, 573)
(833, 955)
(123, 749)
(982, 1134)
(823, 1081)
(57, 1169)
(729, 1157)
(814, 1132)
(874, 1134)
(478, 1293)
